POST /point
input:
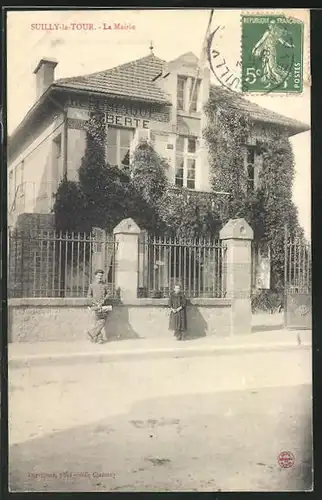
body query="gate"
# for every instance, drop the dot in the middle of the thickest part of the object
(297, 284)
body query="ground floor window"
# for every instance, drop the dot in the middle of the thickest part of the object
(118, 146)
(185, 174)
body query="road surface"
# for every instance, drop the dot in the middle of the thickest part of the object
(214, 423)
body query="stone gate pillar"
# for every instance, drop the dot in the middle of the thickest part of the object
(98, 249)
(238, 235)
(126, 258)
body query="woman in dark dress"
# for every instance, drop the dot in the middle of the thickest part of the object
(178, 314)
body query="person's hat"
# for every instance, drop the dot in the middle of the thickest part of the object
(98, 271)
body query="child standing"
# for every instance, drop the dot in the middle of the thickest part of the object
(178, 315)
(99, 295)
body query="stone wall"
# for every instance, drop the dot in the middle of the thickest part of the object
(33, 320)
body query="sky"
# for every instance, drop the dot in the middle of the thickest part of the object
(173, 32)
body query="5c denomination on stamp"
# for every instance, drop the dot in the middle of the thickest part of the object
(272, 54)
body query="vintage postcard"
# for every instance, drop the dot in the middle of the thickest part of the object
(159, 250)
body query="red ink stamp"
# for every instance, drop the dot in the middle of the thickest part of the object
(286, 459)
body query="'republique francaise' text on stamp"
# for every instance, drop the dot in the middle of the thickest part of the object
(271, 54)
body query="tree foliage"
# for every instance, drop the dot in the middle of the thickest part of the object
(68, 206)
(148, 173)
(186, 215)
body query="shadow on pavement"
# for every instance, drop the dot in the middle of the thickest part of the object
(197, 326)
(226, 441)
(118, 326)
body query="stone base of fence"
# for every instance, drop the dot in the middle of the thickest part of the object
(39, 320)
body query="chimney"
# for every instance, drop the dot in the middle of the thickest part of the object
(45, 74)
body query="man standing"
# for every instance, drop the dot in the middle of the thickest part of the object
(99, 296)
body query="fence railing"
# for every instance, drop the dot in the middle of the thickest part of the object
(56, 264)
(197, 264)
(298, 267)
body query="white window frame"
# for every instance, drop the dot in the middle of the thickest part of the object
(189, 83)
(118, 143)
(197, 90)
(185, 155)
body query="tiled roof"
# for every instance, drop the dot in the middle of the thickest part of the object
(257, 113)
(133, 80)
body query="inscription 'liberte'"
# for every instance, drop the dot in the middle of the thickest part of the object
(126, 121)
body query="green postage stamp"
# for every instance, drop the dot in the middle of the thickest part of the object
(272, 54)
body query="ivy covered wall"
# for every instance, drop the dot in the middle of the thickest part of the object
(269, 207)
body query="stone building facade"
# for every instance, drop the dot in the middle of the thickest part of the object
(147, 98)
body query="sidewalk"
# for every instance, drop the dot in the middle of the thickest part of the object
(22, 355)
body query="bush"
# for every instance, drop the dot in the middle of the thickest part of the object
(69, 207)
(267, 301)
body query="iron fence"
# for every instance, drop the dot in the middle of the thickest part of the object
(56, 264)
(298, 266)
(197, 264)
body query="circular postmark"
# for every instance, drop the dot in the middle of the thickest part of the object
(226, 70)
(267, 60)
(286, 459)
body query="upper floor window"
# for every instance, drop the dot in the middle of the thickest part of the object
(185, 174)
(188, 90)
(250, 167)
(181, 92)
(194, 94)
(118, 146)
